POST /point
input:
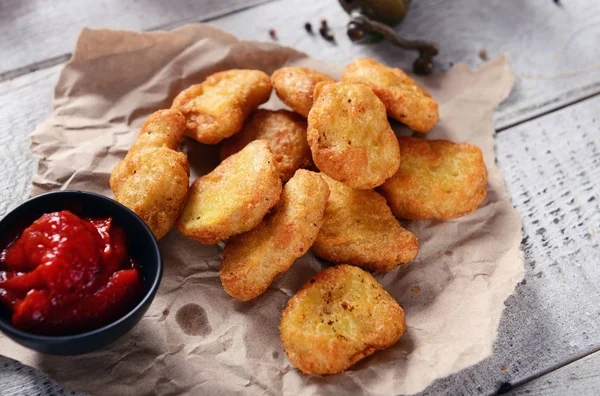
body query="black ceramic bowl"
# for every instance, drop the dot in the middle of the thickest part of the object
(142, 246)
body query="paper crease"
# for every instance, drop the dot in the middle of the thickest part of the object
(453, 293)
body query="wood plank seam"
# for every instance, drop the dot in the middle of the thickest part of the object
(47, 63)
(518, 117)
(578, 378)
(210, 17)
(569, 149)
(33, 67)
(591, 91)
(508, 387)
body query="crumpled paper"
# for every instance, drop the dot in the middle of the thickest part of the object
(195, 338)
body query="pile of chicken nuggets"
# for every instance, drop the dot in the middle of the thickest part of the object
(330, 176)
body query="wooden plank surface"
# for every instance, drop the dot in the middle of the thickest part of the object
(18, 379)
(24, 103)
(551, 167)
(550, 320)
(581, 378)
(42, 30)
(551, 47)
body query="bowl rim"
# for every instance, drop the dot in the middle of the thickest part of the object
(12, 331)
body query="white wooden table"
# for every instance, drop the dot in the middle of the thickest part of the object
(548, 146)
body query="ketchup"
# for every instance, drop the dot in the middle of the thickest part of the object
(66, 274)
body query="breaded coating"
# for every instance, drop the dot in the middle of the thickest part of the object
(360, 229)
(404, 100)
(253, 260)
(234, 197)
(350, 137)
(216, 109)
(153, 178)
(295, 87)
(286, 133)
(164, 128)
(338, 317)
(437, 179)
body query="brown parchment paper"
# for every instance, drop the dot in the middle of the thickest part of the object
(195, 338)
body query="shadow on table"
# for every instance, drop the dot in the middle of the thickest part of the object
(524, 349)
(19, 379)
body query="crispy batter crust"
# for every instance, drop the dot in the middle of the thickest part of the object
(338, 317)
(216, 109)
(253, 260)
(404, 100)
(360, 229)
(234, 197)
(286, 133)
(437, 179)
(350, 137)
(295, 87)
(153, 178)
(164, 128)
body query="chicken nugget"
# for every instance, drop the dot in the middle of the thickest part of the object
(338, 317)
(295, 87)
(437, 179)
(153, 178)
(216, 109)
(360, 229)
(253, 260)
(286, 133)
(234, 197)
(404, 100)
(350, 137)
(164, 128)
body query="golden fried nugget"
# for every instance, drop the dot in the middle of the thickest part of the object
(253, 260)
(295, 87)
(437, 179)
(286, 133)
(164, 128)
(350, 137)
(338, 317)
(360, 229)
(404, 100)
(216, 109)
(234, 197)
(153, 178)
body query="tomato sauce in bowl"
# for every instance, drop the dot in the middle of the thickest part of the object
(65, 274)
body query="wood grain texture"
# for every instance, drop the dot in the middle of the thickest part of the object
(551, 167)
(581, 378)
(24, 103)
(551, 164)
(34, 31)
(19, 379)
(550, 46)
